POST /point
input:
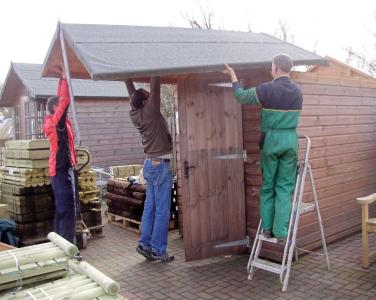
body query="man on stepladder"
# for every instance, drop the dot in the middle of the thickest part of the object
(156, 139)
(59, 131)
(281, 103)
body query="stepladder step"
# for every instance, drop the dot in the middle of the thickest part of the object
(269, 240)
(306, 207)
(267, 265)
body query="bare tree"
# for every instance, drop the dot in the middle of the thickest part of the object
(362, 58)
(283, 31)
(205, 20)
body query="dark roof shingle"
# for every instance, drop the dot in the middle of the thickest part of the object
(30, 75)
(115, 52)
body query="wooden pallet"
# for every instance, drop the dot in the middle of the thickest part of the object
(131, 224)
(124, 222)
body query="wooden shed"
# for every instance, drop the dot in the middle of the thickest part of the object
(102, 108)
(218, 189)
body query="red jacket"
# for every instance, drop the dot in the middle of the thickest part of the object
(58, 129)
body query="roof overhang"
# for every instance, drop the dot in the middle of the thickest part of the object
(87, 60)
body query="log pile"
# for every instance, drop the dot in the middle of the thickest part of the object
(20, 266)
(125, 199)
(25, 188)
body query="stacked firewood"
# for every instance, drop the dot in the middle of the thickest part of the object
(25, 186)
(125, 199)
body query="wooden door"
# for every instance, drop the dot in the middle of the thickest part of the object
(211, 169)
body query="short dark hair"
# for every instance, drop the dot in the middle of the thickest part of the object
(51, 102)
(283, 62)
(138, 98)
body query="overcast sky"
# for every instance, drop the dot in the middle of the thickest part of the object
(27, 26)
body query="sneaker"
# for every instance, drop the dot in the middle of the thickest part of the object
(145, 252)
(267, 234)
(163, 257)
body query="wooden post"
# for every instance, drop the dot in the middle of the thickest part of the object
(365, 258)
(67, 72)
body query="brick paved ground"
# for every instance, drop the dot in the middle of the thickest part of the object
(226, 278)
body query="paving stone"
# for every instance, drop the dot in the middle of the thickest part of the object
(226, 278)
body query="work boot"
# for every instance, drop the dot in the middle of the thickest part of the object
(282, 240)
(163, 257)
(267, 234)
(145, 252)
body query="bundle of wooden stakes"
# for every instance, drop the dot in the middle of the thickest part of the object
(30, 268)
(83, 283)
(23, 266)
(89, 195)
(25, 188)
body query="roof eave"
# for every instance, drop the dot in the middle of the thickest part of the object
(176, 72)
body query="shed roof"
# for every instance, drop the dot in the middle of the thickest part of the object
(115, 52)
(339, 68)
(29, 75)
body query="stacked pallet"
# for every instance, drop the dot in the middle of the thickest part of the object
(125, 171)
(25, 188)
(20, 266)
(89, 193)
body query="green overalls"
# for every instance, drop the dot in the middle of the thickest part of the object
(281, 101)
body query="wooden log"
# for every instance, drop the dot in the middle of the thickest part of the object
(25, 163)
(18, 190)
(69, 248)
(32, 217)
(139, 196)
(28, 144)
(25, 172)
(109, 285)
(27, 154)
(92, 217)
(32, 280)
(127, 201)
(26, 182)
(25, 258)
(29, 203)
(34, 230)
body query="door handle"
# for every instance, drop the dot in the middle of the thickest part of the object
(186, 169)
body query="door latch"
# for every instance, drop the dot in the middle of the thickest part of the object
(186, 169)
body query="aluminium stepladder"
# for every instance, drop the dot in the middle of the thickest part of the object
(298, 208)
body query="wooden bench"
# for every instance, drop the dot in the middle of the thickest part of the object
(368, 225)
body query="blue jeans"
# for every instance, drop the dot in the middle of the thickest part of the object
(65, 206)
(156, 215)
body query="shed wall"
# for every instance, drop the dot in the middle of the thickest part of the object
(108, 132)
(341, 122)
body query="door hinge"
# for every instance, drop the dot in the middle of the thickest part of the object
(242, 156)
(244, 242)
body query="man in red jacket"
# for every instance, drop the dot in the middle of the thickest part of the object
(58, 129)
